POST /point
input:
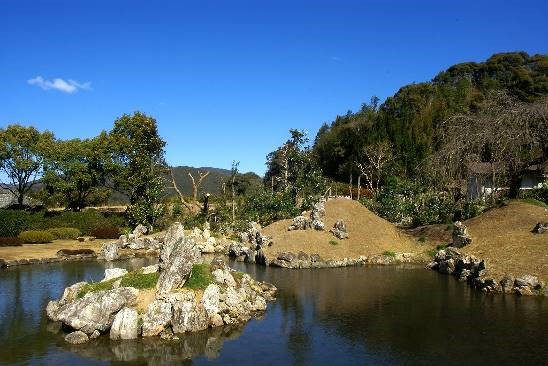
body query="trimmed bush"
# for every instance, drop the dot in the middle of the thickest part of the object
(106, 233)
(10, 241)
(12, 222)
(36, 237)
(64, 232)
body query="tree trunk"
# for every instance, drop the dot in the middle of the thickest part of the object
(350, 185)
(359, 185)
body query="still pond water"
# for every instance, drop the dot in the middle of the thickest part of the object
(401, 315)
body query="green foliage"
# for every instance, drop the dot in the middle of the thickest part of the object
(10, 241)
(94, 287)
(409, 119)
(76, 172)
(12, 222)
(64, 232)
(265, 207)
(535, 202)
(21, 158)
(86, 221)
(200, 277)
(423, 239)
(106, 233)
(539, 194)
(139, 166)
(333, 242)
(36, 237)
(388, 253)
(139, 280)
(473, 208)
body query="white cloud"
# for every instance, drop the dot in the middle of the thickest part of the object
(336, 58)
(70, 86)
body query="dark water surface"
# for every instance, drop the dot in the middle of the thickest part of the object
(348, 316)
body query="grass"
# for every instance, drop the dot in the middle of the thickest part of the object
(94, 287)
(433, 252)
(423, 238)
(139, 280)
(535, 202)
(200, 277)
(135, 279)
(388, 253)
(333, 242)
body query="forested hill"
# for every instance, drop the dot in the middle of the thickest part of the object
(408, 119)
(211, 184)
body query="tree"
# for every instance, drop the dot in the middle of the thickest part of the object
(140, 167)
(179, 193)
(376, 157)
(233, 175)
(507, 134)
(77, 171)
(21, 159)
(282, 164)
(196, 185)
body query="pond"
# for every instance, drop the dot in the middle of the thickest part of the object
(357, 315)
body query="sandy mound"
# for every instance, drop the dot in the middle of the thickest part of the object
(368, 235)
(503, 237)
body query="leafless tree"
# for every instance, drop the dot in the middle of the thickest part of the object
(179, 193)
(507, 134)
(376, 157)
(196, 185)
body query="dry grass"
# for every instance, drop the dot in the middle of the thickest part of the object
(37, 251)
(368, 235)
(503, 237)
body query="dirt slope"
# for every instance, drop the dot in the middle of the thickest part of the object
(502, 236)
(368, 235)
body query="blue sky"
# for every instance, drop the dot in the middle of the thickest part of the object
(226, 80)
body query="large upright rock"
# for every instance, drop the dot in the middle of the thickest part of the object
(178, 255)
(125, 324)
(316, 215)
(110, 251)
(156, 318)
(299, 223)
(95, 311)
(460, 235)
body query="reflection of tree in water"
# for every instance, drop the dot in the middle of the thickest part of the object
(155, 351)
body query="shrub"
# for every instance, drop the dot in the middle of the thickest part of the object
(106, 233)
(10, 241)
(64, 232)
(85, 221)
(388, 253)
(423, 238)
(36, 237)
(539, 194)
(200, 277)
(333, 242)
(64, 252)
(12, 222)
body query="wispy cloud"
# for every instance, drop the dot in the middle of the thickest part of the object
(336, 58)
(66, 86)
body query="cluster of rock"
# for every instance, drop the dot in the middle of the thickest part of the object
(315, 221)
(250, 249)
(206, 243)
(460, 235)
(540, 228)
(304, 260)
(135, 241)
(472, 270)
(60, 258)
(230, 299)
(339, 230)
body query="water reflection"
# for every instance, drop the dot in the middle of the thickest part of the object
(371, 315)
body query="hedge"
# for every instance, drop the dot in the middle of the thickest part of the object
(12, 222)
(10, 241)
(106, 233)
(36, 237)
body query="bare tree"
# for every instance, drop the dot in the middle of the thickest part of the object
(179, 193)
(506, 134)
(196, 185)
(376, 157)
(233, 174)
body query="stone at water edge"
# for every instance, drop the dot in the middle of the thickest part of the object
(111, 273)
(110, 251)
(96, 309)
(156, 318)
(125, 324)
(77, 337)
(188, 315)
(140, 230)
(527, 280)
